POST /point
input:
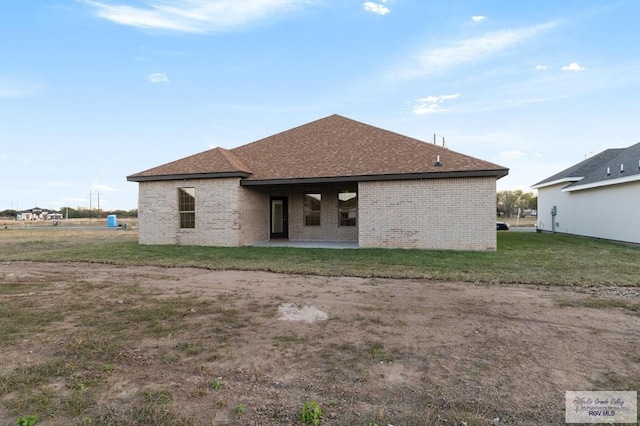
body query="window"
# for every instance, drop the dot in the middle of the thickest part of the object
(312, 209)
(187, 207)
(347, 208)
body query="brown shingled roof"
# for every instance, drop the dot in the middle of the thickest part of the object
(217, 161)
(334, 147)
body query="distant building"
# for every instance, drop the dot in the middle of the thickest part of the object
(598, 197)
(37, 213)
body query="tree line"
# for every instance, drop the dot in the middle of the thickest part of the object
(509, 203)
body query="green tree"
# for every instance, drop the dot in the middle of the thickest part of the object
(508, 201)
(8, 214)
(528, 201)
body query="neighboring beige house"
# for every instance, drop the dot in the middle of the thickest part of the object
(37, 213)
(334, 179)
(598, 197)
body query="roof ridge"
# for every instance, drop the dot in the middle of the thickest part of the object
(233, 159)
(288, 131)
(328, 148)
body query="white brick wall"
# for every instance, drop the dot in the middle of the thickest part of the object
(254, 215)
(217, 212)
(455, 214)
(157, 213)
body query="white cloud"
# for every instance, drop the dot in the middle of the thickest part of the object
(103, 188)
(574, 66)
(195, 16)
(372, 7)
(17, 88)
(524, 103)
(478, 18)
(437, 60)
(541, 67)
(55, 184)
(158, 78)
(511, 155)
(432, 104)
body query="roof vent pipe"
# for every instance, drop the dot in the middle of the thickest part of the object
(621, 168)
(437, 163)
(608, 171)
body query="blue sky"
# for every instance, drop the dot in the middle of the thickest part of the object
(94, 90)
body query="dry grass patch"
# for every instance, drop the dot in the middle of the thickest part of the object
(131, 344)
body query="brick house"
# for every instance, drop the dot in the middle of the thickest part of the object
(334, 179)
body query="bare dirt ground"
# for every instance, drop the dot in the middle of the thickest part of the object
(368, 351)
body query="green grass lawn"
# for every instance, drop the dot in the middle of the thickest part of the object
(548, 259)
(73, 339)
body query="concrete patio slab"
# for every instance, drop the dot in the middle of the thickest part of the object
(308, 244)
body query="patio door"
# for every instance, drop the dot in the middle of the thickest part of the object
(279, 212)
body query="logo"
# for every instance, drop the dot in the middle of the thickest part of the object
(601, 407)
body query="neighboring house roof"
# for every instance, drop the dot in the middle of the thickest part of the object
(38, 211)
(610, 167)
(334, 148)
(35, 209)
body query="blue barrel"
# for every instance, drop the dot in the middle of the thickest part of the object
(112, 221)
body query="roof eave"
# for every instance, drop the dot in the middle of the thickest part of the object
(367, 178)
(557, 182)
(187, 176)
(601, 183)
